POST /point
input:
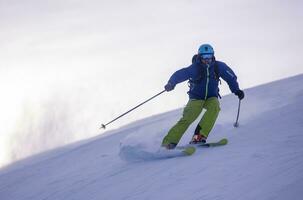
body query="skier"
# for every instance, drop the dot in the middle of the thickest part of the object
(203, 76)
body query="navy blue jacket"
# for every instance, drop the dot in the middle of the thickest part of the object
(203, 80)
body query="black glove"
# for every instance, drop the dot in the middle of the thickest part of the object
(169, 87)
(240, 94)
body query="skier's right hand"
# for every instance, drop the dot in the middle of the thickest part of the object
(169, 87)
(240, 94)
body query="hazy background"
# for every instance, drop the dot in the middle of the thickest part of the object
(68, 66)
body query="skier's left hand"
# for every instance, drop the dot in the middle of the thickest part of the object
(240, 94)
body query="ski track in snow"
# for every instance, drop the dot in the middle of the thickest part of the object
(263, 160)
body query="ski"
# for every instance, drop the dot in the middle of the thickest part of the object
(221, 142)
(177, 152)
(188, 151)
(131, 153)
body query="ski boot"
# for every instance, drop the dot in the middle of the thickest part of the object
(198, 139)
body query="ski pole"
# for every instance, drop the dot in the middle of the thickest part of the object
(236, 124)
(104, 125)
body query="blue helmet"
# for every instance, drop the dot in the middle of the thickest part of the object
(206, 49)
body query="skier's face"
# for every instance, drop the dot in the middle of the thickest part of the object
(207, 58)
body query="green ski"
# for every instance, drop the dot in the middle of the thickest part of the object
(222, 142)
(188, 151)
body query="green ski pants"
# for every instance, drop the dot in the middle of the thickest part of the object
(190, 113)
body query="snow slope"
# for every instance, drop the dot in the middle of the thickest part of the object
(263, 160)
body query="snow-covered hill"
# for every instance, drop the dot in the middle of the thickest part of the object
(263, 160)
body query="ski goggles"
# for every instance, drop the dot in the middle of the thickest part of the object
(207, 56)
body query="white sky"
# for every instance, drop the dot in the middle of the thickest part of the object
(67, 66)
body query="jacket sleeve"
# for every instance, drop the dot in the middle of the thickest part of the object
(229, 76)
(181, 75)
